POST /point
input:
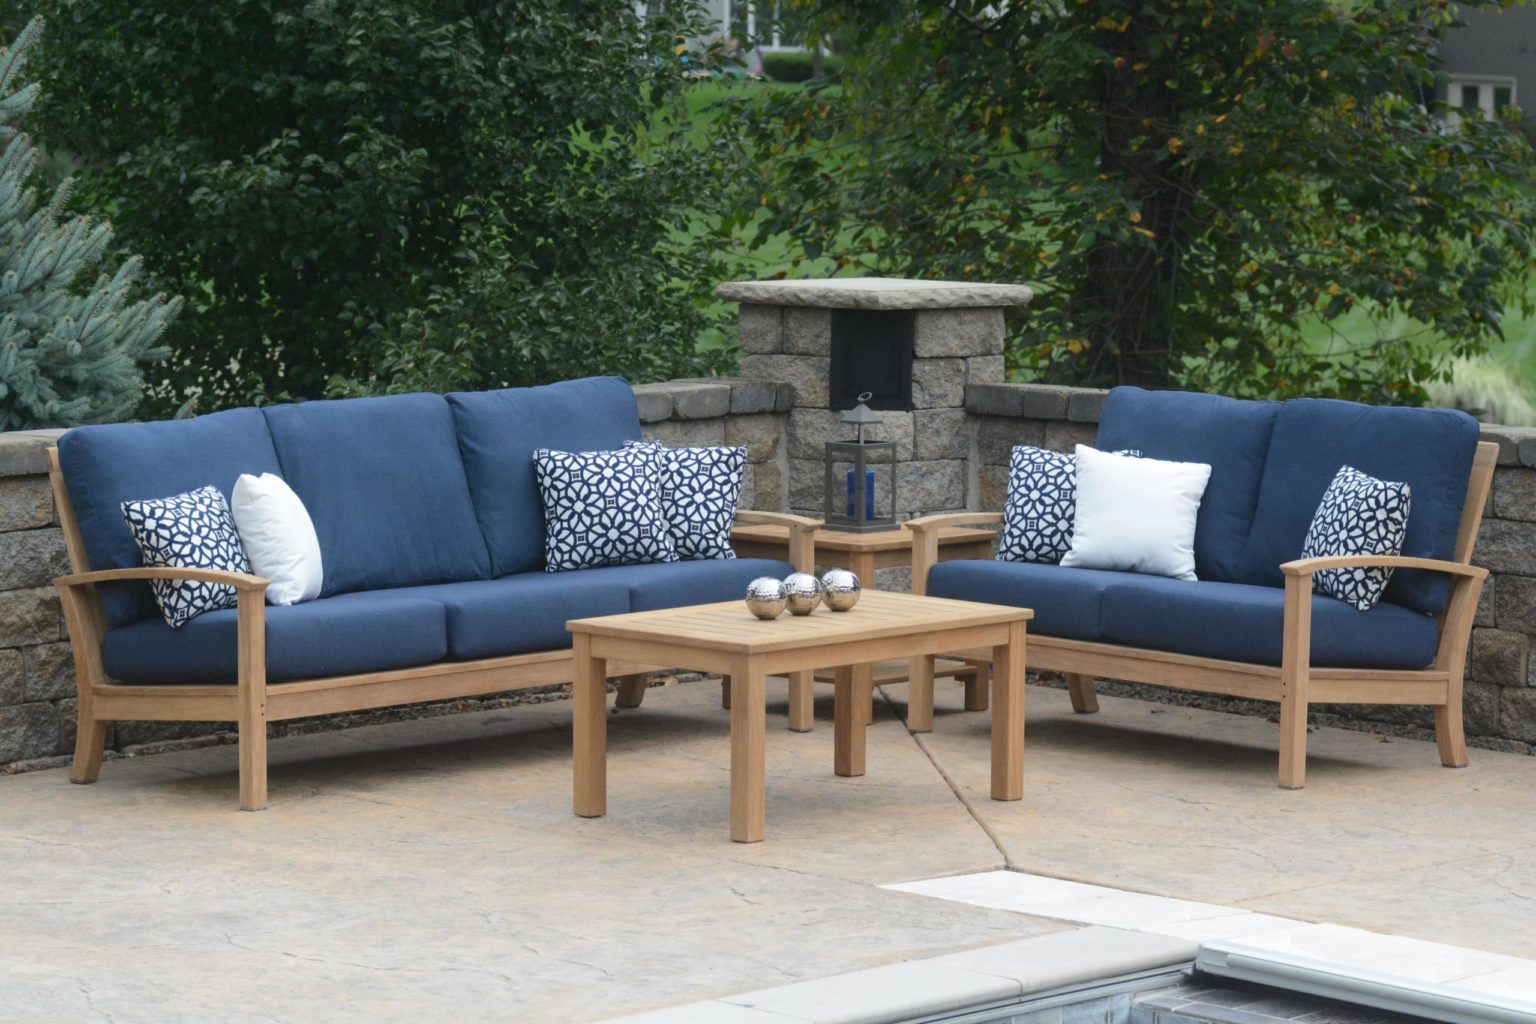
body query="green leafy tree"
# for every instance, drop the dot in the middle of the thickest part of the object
(375, 194)
(1190, 183)
(72, 338)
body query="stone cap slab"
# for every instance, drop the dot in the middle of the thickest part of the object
(25, 452)
(874, 293)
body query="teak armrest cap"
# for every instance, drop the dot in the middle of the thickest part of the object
(238, 580)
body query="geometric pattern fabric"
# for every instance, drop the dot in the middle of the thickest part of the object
(602, 508)
(1359, 515)
(1041, 507)
(188, 531)
(699, 491)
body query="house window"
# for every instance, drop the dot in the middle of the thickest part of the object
(1479, 97)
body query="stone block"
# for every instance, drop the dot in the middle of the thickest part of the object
(1480, 708)
(940, 434)
(930, 486)
(26, 503)
(1514, 493)
(25, 452)
(895, 579)
(959, 332)
(50, 671)
(753, 396)
(996, 437)
(748, 487)
(30, 617)
(805, 486)
(938, 383)
(994, 488)
(762, 328)
(1517, 714)
(808, 330)
(1086, 405)
(32, 558)
(13, 677)
(874, 293)
(1487, 605)
(811, 429)
(1500, 656)
(1514, 602)
(808, 375)
(1528, 448)
(995, 399)
(700, 401)
(28, 731)
(985, 370)
(761, 434)
(1507, 546)
(767, 487)
(687, 433)
(1064, 437)
(653, 401)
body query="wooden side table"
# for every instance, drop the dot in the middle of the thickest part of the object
(863, 554)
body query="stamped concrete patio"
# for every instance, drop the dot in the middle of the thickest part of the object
(432, 869)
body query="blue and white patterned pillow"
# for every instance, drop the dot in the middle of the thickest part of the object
(602, 508)
(699, 491)
(1359, 515)
(189, 531)
(1041, 506)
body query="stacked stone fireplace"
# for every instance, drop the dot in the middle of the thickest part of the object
(913, 345)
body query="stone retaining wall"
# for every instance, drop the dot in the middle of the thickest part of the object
(1500, 699)
(37, 678)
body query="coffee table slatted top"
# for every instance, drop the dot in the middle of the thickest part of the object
(729, 627)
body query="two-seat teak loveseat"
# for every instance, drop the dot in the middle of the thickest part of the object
(431, 528)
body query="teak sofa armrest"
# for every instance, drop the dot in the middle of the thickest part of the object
(925, 540)
(1308, 566)
(238, 580)
(802, 534)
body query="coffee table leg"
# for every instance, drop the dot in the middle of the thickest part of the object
(848, 722)
(749, 722)
(802, 702)
(920, 693)
(589, 740)
(1008, 716)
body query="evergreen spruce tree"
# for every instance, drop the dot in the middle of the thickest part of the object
(70, 347)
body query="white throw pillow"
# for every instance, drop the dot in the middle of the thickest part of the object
(279, 537)
(1135, 514)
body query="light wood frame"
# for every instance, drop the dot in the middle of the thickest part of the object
(252, 702)
(1295, 682)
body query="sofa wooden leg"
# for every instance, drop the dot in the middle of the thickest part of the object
(253, 764)
(90, 744)
(1080, 687)
(725, 692)
(802, 701)
(632, 691)
(1293, 745)
(251, 694)
(978, 687)
(1449, 735)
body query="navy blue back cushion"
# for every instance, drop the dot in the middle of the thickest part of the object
(1430, 450)
(382, 480)
(498, 432)
(106, 465)
(1229, 435)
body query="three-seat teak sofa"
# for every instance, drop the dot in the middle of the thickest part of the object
(431, 531)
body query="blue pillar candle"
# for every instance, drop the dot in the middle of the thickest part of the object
(869, 494)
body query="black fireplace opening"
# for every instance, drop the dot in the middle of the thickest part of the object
(872, 351)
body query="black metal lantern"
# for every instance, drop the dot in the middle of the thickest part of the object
(853, 468)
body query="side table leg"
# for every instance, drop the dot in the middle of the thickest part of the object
(589, 740)
(920, 693)
(725, 692)
(978, 687)
(1008, 716)
(802, 702)
(848, 740)
(749, 723)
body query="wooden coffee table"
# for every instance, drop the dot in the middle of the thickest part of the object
(726, 639)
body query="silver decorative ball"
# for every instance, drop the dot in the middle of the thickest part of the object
(766, 597)
(804, 592)
(840, 589)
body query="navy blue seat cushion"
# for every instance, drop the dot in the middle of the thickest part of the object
(521, 613)
(674, 584)
(497, 434)
(106, 465)
(1229, 435)
(365, 632)
(1242, 622)
(1065, 599)
(383, 482)
(1430, 450)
